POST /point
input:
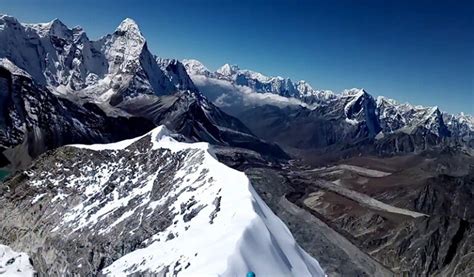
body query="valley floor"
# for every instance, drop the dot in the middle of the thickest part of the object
(379, 216)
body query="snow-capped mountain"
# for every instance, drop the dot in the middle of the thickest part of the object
(462, 124)
(34, 120)
(115, 76)
(117, 65)
(96, 188)
(355, 108)
(138, 206)
(394, 117)
(359, 106)
(195, 67)
(177, 74)
(260, 83)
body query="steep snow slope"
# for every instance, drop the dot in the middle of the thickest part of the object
(149, 205)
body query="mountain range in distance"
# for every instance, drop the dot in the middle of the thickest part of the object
(117, 160)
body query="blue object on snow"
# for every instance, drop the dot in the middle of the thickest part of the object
(250, 274)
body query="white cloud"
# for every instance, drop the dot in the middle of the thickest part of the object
(225, 94)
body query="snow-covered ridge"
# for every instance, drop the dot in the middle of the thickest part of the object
(407, 108)
(237, 231)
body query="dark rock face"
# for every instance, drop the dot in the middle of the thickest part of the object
(176, 73)
(34, 120)
(441, 246)
(195, 117)
(419, 140)
(301, 128)
(436, 197)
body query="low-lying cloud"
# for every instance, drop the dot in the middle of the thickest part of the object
(225, 94)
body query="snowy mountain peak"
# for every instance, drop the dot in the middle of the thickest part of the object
(261, 83)
(129, 34)
(54, 28)
(228, 70)
(256, 75)
(58, 29)
(356, 92)
(57, 24)
(128, 29)
(195, 67)
(304, 88)
(66, 60)
(7, 19)
(128, 25)
(407, 118)
(382, 100)
(466, 118)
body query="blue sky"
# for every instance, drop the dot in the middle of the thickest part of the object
(414, 51)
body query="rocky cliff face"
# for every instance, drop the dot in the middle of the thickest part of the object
(34, 120)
